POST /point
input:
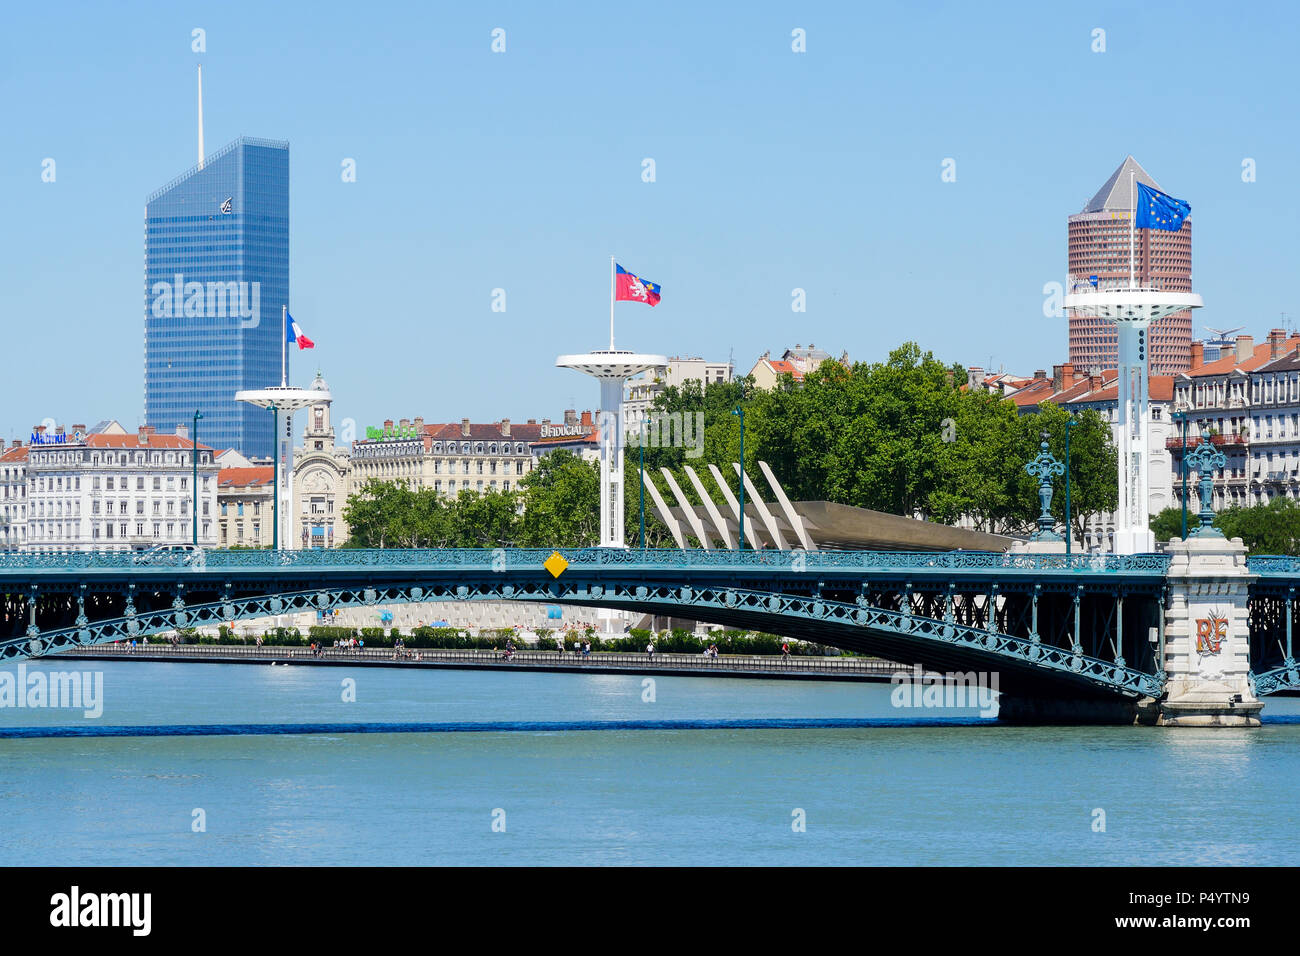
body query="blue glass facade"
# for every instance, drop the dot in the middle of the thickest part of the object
(216, 276)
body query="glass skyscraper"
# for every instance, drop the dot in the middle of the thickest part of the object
(216, 267)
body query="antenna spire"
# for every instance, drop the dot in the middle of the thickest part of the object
(201, 157)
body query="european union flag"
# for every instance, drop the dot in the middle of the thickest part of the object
(1156, 210)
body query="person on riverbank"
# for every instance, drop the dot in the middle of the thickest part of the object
(586, 649)
(785, 650)
(650, 650)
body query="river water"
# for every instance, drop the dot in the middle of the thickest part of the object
(910, 786)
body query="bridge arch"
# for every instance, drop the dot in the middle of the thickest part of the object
(1026, 665)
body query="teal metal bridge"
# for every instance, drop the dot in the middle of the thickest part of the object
(1051, 625)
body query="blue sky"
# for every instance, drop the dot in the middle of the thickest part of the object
(522, 170)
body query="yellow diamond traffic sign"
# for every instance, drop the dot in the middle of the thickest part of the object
(555, 564)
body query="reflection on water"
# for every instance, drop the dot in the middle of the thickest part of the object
(926, 793)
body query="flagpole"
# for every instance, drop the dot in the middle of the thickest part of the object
(284, 354)
(1132, 216)
(611, 303)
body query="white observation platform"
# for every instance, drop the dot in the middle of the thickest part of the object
(612, 368)
(1132, 310)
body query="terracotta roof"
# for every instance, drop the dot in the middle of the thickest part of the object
(14, 454)
(490, 431)
(1160, 388)
(245, 477)
(1288, 362)
(1261, 355)
(1038, 390)
(780, 367)
(132, 440)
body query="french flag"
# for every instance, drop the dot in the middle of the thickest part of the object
(294, 333)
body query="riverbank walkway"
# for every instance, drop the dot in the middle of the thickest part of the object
(604, 662)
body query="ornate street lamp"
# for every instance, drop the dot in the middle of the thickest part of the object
(1205, 460)
(1045, 467)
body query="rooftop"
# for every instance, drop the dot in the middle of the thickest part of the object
(245, 477)
(1116, 194)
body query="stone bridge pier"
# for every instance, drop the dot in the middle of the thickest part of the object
(1207, 635)
(1203, 651)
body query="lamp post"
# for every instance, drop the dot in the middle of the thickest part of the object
(642, 482)
(194, 453)
(1205, 460)
(740, 541)
(1182, 465)
(275, 478)
(1045, 467)
(1069, 424)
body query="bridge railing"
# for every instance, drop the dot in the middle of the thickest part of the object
(1279, 565)
(651, 558)
(861, 666)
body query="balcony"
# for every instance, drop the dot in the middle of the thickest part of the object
(1219, 440)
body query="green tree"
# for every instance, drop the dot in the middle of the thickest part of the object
(981, 466)
(561, 502)
(1273, 528)
(1169, 523)
(1094, 464)
(488, 519)
(369, 513)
